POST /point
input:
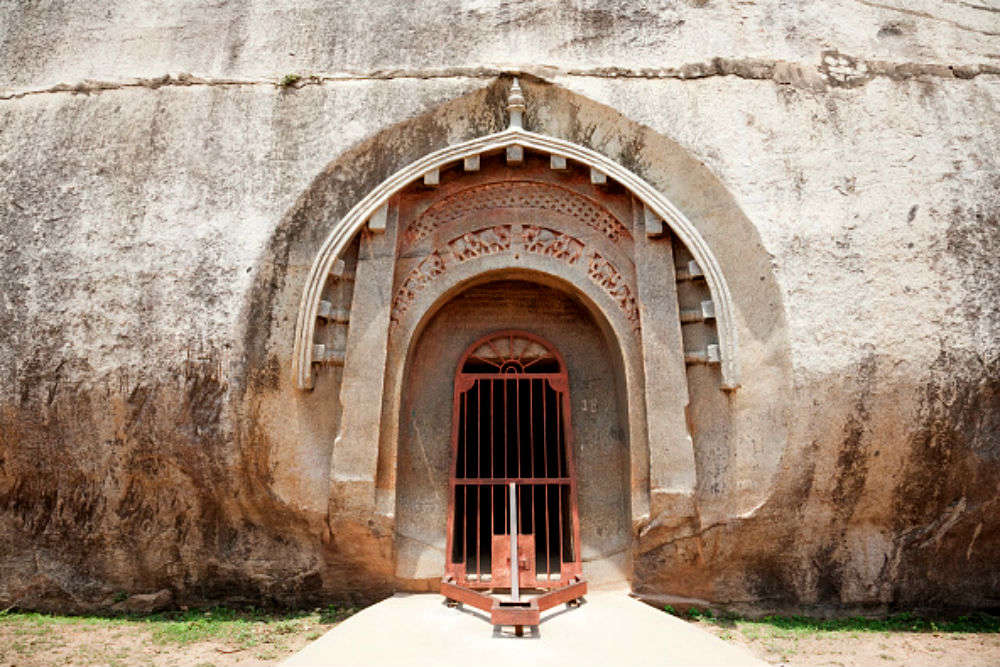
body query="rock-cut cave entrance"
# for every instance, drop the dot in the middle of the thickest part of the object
(511, 426)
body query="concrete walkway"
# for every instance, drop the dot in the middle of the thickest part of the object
(609, 630)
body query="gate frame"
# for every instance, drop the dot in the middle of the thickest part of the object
(559, 381)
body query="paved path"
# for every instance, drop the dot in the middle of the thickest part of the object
(609, 630)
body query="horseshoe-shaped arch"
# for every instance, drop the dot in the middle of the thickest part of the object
(345, 230)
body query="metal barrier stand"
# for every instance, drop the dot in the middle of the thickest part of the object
(515, 612)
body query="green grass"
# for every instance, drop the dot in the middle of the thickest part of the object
(242, 628)
(795, 626)
(784, 638)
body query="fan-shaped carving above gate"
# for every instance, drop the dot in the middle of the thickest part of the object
(512, 352)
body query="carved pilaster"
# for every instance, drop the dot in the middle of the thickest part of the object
(355, 451)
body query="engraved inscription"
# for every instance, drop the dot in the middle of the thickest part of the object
(552, 243)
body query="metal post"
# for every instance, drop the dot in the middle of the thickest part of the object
(515, 592)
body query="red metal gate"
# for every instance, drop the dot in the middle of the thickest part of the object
(511, 424)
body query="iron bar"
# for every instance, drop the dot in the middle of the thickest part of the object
(465, 489)
(506, 434)
(506, 445)
(545, 468)
(531, 427)
(478, 538)
(515, 565)
(517, 424)
(493, 529)
(559, 442)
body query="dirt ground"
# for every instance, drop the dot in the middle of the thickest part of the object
(227, 638)
(846, 648)
(219, 638)
(130, 646)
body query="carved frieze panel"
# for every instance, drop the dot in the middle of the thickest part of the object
(605, 274)
(517, 194)
(428, 269)
(552, 243)
(514, 240)
(487, 241)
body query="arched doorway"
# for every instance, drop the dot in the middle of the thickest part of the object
(514, 204)
(398, 290)
(512, 466)
(593, 396)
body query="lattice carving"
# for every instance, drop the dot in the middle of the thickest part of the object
(517, 194)
(552, 243)
(604, 273)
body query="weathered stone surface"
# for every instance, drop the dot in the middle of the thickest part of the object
(145, 603)
(840, 159)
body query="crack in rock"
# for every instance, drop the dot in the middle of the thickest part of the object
(834, 70)
(931, 17)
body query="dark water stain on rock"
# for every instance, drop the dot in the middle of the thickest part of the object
(946, 502)
(851, 475)
(130, 487)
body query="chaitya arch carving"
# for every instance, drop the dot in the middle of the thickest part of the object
(514, 141)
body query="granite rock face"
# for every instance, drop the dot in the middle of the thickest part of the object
(169, 171)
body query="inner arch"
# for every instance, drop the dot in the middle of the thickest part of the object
(600, 441)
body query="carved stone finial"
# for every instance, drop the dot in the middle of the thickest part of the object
(515, 105)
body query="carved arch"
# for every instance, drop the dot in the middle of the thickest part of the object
(513, 137)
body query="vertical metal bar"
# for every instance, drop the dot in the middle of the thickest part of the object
(493, 463)
(479, 488)
(493, 528)
(465, 487)
(559, 443)
(545, 458)
(478, 538)
(480, 417)
(523, 521)
(456, 418)
(531, 427)
(515, 568)
(532, 513)
(506, 434)
(517, 428)
(466, 420)
(506, 443)
(528, 493)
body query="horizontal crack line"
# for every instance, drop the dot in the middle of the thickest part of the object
(846, 72)
(932, 17)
